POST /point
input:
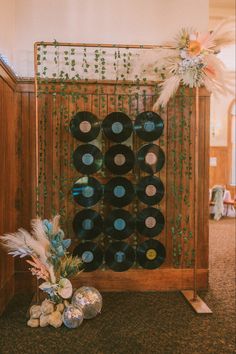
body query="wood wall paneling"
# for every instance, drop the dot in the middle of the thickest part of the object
(9, 178)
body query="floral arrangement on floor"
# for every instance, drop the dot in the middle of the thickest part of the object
(191, 60)
(49, 260)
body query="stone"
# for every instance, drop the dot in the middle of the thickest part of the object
(33, 322)
(66, 303)
(60, 307)
(47, 307)
(44, 320)
(35, 311)
(55, 319)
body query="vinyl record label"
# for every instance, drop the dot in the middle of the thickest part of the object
(91, 254)
(87, 159)
(119, 256)
(117, 126)
(148, 126)
(87, 224)
(87, 191)
(84, 126)
(151, 254)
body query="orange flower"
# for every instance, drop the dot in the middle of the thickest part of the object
(194, 48)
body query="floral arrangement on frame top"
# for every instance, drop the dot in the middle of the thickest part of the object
(191, 60)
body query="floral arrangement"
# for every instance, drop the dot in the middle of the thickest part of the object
(191, 60)
(49, 259)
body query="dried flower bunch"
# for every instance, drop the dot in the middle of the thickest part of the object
(192, 61)
(50, 260)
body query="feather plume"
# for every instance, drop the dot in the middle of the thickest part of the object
(39, 234)
(22, 240)
(55, 224)
(223, 34)
(169, 87)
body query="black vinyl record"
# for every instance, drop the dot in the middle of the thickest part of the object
(87, 224)
(119, 256)
(151, 254)
(87, 158)
(148, 126)
(150, 190)
(119, 224)
(150, 222)
(151, 158)
(119, 192)
(91, 254)
(119, 159)
(117, 126)
(87, 191)
(84, 126)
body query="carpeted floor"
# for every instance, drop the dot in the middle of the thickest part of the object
(142, 323)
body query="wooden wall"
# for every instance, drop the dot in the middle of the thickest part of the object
(9, 177)
(20, 129)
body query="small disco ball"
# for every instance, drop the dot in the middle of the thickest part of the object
(89, 299)
(72, 316)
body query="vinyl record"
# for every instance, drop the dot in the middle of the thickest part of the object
(151, 158)
(150, 222)
(91, 254)
(87, 191)
(119, 256)
(87, 158)
(119, 192)
(150, 190)
(119, 159)
(84, 126)
(87, 224)
(119, 224)
(148, 126)
(117, 126)
(151, 254)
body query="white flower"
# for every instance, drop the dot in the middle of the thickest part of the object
(65, 288)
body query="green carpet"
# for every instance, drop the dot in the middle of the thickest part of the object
(142, 323)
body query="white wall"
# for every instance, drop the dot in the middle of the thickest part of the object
(7, 28)
(100, 21)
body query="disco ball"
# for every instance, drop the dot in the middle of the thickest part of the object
(89, 300)
(72, 316)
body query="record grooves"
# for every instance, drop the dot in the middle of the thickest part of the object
(119, 192)
(150, 222)
(151, 254)
(150, 190)
(151, 158)
(119, 159)
(87, 224)
(119, 224)
(87, 191)
(87, 159)
(119, 256)
(117, 126)
(148, 126)
(91, 254)
(84, 126)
